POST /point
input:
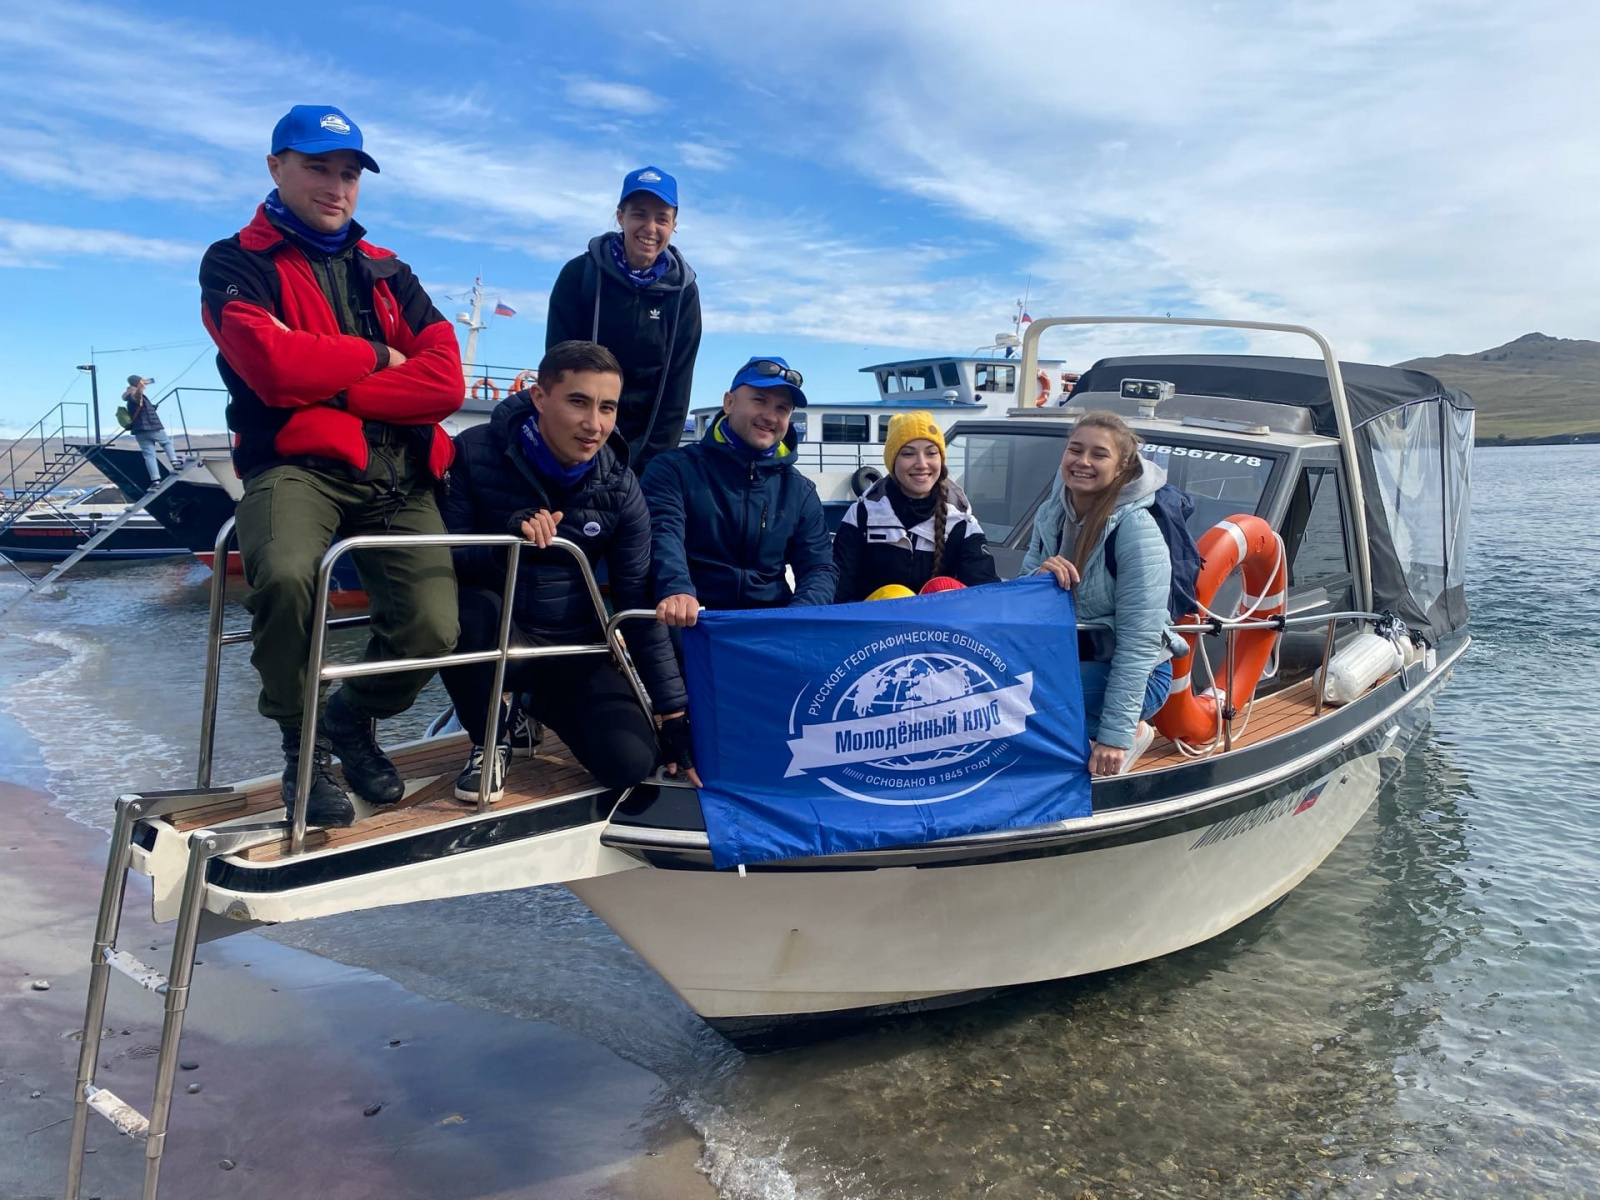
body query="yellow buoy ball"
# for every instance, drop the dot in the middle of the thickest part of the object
(891, 591)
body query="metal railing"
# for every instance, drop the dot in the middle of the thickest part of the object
(318, 673)
(56, 426)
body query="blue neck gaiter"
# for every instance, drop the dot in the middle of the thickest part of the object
(542, 460)
(328, 243)
(725, 433)
(639, 279)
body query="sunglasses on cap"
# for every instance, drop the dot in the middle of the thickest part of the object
(772, 370)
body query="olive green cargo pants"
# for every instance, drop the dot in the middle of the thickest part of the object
(287, 519)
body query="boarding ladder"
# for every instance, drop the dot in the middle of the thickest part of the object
(172, 986)
(86, 548)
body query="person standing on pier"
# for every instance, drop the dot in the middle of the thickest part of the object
(633, 293)
(145, 425)
(339, 369)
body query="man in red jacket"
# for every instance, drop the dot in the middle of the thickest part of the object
(339, 370)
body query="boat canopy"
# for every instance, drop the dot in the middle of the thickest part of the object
(1413, 441)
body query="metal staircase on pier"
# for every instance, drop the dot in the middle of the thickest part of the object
(88, 547)
(40, 471)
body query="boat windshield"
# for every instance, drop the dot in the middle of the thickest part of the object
(1006, 474)
(1221, 482)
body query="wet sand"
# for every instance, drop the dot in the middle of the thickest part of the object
(292, 1052)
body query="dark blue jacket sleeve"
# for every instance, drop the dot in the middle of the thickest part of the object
(628, 562)
(811, 553)
(665, 492)
(475, 565)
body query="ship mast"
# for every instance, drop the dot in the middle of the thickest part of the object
(474, 323)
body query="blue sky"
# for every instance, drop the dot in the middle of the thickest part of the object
(859, 182)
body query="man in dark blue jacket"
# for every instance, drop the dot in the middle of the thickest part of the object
(729, 513)
(550, 464)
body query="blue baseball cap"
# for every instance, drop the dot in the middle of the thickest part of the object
(653, 180)
(768, 370)
(319, 129)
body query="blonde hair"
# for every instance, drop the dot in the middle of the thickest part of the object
(1128, 466)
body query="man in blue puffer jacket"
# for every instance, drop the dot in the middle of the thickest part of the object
(550, 463)
(729, 513)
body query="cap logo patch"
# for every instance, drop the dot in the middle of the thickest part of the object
(334, 123)
(649, 177)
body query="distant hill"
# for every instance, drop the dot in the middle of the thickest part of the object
(1533, 387)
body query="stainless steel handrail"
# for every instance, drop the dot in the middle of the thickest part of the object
(317, 673)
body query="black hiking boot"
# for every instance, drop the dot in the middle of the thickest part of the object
(328, 805)
(367, 768)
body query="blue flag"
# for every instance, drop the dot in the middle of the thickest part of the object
(820, 730)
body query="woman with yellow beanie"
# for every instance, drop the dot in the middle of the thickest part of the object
(912, 524)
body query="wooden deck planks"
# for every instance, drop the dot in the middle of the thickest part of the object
(435, 762)
(1271, 717)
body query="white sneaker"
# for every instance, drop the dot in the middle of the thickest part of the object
(471, 776)
(1142, 738)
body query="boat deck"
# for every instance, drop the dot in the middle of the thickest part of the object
(429, 768)
(1270, 716)
(552, 774)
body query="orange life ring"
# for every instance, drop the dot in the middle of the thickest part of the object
(524, 379)
(492, 393)
(1240, 541)
(1044, 389)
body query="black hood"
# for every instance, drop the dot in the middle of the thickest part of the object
(679, 273)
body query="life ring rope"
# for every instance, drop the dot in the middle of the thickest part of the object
(1247, 543)
(524, 379)
(493, 393)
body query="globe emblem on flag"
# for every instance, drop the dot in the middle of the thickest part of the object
(904, 685)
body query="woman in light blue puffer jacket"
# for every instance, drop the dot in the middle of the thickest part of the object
(1106, 486)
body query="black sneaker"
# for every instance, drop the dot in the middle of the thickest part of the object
(471, 776)
(328, 805)
(526, 734)
(367, 768)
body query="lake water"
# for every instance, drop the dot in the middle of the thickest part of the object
(1418, 1017)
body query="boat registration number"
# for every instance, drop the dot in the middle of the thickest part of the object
(1249, 460)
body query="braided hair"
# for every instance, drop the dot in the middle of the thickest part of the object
(941, 509)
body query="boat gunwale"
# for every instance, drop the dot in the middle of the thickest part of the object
(690, 849)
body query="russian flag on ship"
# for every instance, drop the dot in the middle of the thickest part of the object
(502, 309)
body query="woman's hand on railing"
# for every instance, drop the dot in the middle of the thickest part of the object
(540, 529)
(677, 747)
(681, 610)
(1062, 568)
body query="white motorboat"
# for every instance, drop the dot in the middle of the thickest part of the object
(1363, 472)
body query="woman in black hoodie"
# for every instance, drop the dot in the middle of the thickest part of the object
(634, 294)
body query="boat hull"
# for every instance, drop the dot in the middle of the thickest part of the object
(757, 952)
(54, 541)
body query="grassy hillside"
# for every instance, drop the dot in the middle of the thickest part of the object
(1535, 386)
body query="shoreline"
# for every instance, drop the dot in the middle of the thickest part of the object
(293, 1051)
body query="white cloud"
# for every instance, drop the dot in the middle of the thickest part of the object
(625, 98)
(704, 157)
(27, 245)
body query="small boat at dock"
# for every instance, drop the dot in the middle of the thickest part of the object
(1360, 474)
